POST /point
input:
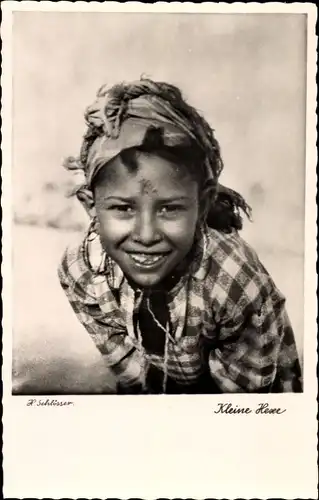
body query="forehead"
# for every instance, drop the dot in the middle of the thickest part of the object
(154, 175)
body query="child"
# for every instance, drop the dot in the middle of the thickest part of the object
(173, 297)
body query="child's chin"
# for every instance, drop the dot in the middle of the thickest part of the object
(147, 281)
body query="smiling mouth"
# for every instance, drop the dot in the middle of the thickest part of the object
(147, 260)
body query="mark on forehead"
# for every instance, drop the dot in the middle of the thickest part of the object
(147, 187)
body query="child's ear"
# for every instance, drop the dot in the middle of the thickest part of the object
(85, 197)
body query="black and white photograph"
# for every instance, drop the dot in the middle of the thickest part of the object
(186, 163)
(158, 196)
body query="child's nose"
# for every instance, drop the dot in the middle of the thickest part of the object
(145, 230)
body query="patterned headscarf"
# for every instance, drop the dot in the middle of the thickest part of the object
(122, 116)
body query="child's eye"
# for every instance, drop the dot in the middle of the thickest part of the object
(171, 210)
(124, 209)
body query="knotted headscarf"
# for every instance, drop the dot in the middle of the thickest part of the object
(122, 116)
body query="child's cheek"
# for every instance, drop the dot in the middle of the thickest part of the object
(180, 231)
(113, 229)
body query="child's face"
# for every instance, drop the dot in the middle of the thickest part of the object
(147, 218)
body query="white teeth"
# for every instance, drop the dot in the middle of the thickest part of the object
(146, 259)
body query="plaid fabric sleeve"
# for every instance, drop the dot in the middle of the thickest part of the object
(112, 341)
(256, 351)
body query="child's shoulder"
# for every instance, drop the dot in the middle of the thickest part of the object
(235, 269)
(228, 247)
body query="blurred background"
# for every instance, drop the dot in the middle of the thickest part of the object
(245, 72)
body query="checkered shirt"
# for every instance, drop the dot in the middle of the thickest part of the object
(227, 301)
